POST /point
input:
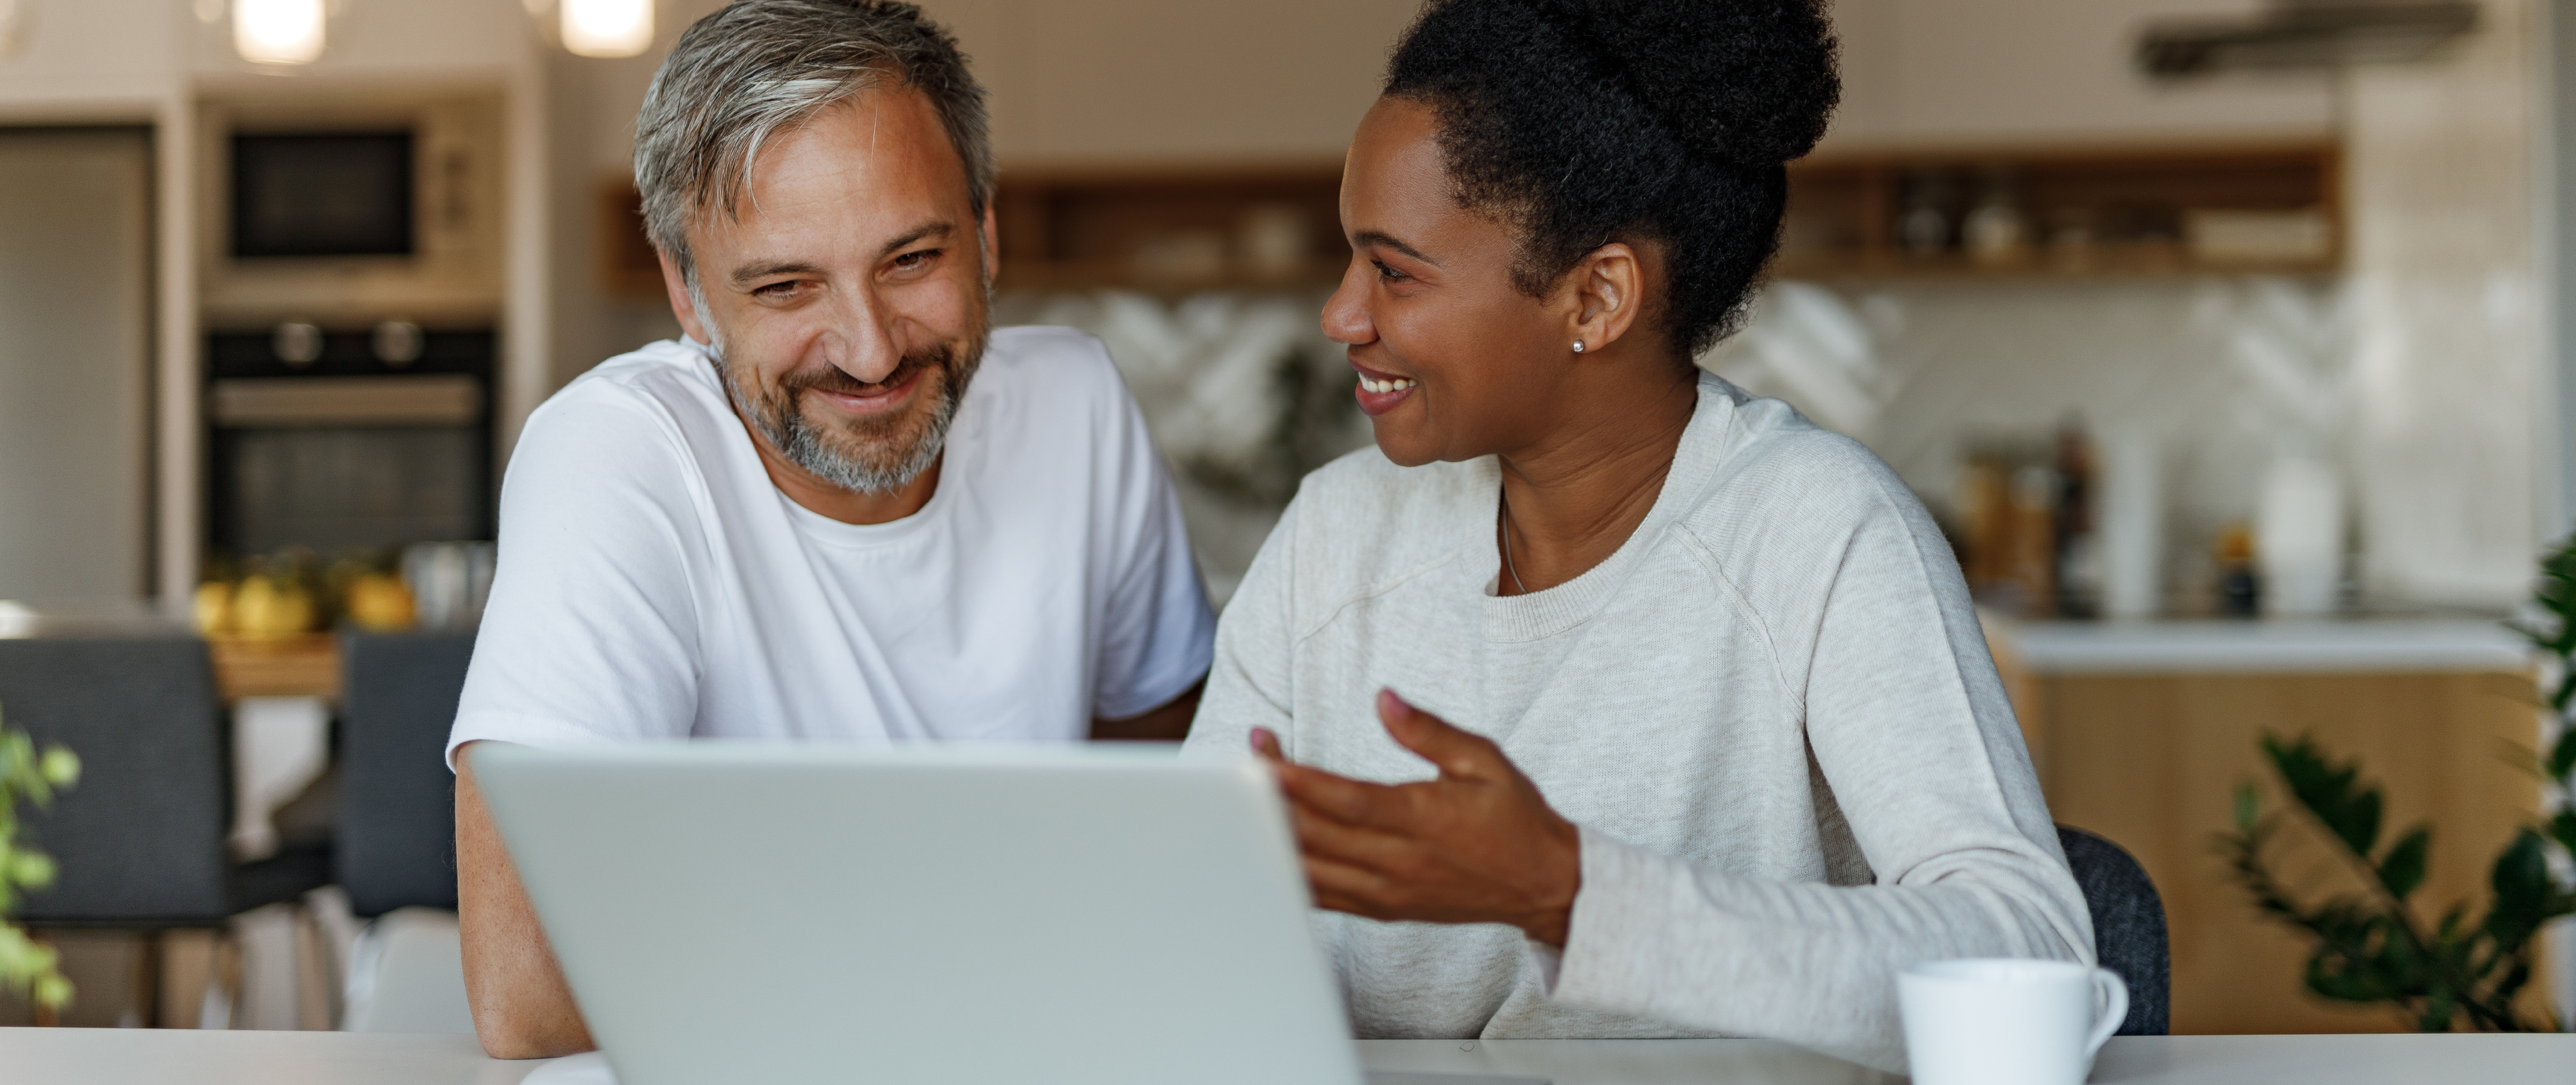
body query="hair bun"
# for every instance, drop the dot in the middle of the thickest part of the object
(1745, 81)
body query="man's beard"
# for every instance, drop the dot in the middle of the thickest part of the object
(872, 454)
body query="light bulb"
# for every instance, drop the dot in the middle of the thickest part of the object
(278, 31)
(607, 28)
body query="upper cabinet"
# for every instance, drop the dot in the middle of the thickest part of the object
(1932, 73)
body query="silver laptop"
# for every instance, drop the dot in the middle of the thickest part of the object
(924, 914)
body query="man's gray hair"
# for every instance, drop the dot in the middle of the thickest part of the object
(757, 67)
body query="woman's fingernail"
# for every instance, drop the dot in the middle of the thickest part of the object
(1388, 701)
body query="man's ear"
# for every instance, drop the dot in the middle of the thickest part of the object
(673, 284)
(991, 238)
(1609, 286)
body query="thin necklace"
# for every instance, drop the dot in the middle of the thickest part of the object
(1507, 550)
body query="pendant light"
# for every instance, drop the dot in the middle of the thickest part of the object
(607, 28)
(278, 31)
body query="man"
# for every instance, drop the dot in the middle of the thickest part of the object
(841, 509)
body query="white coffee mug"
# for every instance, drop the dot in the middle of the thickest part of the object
(2007, 1022)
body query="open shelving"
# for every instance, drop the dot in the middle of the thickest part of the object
(2088, 211)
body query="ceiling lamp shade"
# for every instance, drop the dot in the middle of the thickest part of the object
(607, 28)
(278, 31)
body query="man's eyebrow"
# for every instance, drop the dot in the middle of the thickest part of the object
(919, 233)
(1366, 238)
(748, 273)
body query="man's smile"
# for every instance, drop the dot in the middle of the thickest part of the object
(872, 400)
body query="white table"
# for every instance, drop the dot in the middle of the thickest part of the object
(171, 1057)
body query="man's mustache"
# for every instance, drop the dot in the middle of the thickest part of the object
(832, 379)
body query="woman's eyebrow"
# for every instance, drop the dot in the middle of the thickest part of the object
(1366, 238)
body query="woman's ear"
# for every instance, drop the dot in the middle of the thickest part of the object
(1609, 286)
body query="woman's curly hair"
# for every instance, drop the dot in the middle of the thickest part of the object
(1582, 122)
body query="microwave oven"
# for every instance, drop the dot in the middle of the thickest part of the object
(351, 211)
(323, 194)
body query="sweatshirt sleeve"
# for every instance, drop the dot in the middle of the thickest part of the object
(1248, 686)
(1910, 728)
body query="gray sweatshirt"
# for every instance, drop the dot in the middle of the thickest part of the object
(1771, 712)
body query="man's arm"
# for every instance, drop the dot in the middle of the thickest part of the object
(522, 1007)
(1170, 723)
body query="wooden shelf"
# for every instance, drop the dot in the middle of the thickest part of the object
(1178, 229)
(1040, 274)
(1172, 229)
(1846, 211)
(2142, 261)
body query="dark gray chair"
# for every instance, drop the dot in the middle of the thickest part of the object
(397, 828)
(2128, 927)
(140, 842)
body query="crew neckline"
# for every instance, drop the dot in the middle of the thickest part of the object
(1550, 611)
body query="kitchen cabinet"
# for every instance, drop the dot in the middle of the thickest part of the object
(2143, 734)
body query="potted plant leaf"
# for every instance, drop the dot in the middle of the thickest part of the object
(29, 968)
(2458, 971)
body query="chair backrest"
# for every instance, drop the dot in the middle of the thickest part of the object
(140, 841)
(397, 834)
(2128, 927)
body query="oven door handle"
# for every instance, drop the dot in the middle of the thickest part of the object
(443, 399)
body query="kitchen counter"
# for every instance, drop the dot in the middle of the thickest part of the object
(2268, 645)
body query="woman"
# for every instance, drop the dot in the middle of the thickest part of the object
(1728, 752)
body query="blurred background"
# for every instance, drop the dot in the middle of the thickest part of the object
(2227, 339)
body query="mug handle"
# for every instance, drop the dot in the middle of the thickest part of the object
(2116, 992)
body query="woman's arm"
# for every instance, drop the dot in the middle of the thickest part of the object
(1247, 687)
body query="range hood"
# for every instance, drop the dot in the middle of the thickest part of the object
(2305, 34)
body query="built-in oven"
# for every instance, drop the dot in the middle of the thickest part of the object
(345, 438)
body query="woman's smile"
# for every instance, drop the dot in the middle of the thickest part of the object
(1379, 392)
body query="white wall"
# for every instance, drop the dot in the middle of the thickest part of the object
(2454, 421)
(1949, 72)
(1124, 81)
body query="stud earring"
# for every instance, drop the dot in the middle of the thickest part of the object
(1578, 346)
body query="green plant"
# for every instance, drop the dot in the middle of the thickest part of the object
(2372, 946)
(2555, 633)
(28, 967)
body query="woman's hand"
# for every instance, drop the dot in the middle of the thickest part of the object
(1477, 845)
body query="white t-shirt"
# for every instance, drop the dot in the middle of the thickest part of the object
(654, 583)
